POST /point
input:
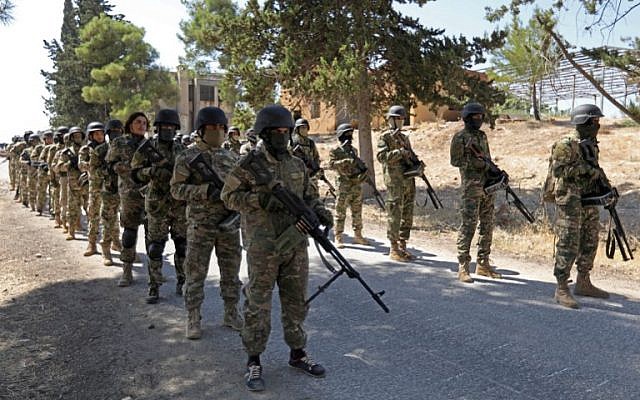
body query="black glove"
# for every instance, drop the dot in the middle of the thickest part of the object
(213, 192)
(269, 203)
(325, 217)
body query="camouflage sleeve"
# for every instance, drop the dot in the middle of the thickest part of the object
(140, 168)
(63, 162)
(314, 153)
(95, 164)
(385, 155)
(237, 193)
(457, 151)
(181, 189)
(564, 162)
(83, 158)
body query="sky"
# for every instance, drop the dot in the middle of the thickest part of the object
(23, 88)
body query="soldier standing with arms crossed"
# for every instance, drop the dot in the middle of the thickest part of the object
(132, 215)
(205, 213)
(277, 250)
(475, 203)
(165, 214)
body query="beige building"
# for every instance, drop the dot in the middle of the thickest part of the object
(195, 93)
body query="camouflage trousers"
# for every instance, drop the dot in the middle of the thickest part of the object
(109, 217)
(291, 272)
(132, 215)
(401, 194)
(12, 174)
(33, 187)
(41, 194)
(201, 241)
(163, 217)
(24, 185)
(64, 197)
(473, 208)
(54, 197)
(75, 200)
(93, 213)
(577, 229)
(349, 196)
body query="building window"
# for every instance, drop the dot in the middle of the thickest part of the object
(315, 109)
(207, 93)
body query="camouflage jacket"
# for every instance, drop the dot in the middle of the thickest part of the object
(307, 146)
(232, 145)
(141, 168)
(119, 157)
(241, 193)
(473, 171)
(65, 161)
(575, 175)
(341, 161)
(246, 148)
(189, 185)
(390, 154)
(100, 171)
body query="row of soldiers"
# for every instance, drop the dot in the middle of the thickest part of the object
(204, 194)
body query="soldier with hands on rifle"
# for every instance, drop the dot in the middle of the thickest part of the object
(343, 159)
(43, 171)
(69, 163)
(575, 179)
(476, 203)
(54, 197)
(152, 165)
(277, 242)
(197, 179)
(401, 189)
(132, 213)
(90, 174)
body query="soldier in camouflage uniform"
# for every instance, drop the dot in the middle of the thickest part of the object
(205, 215)
(42, 190)
(277, 249)
(251, 142)
(165, 214)
(233, 140)
(69, 162)
(401, 190)
(25, 154)
(475, 204)
(349, 183)
(95, 132)
(63, 181)
(107, 180)
(16, 151)
(132, 214)
(11, 162)
(54, 179)
(577, 174)
(33, 152)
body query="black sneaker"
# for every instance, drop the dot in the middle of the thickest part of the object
(153, 296)
(307, 365)
(254, 382)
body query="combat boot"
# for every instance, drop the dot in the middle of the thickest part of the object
(584, 287)
(232, 318)
(58, 224)
(91, 249)
(127, 275)
(484, 268)
(194, 332)
(402, 246)
(107, 260)
(563, 295)
(154, 294)
(396, 254)
(339, 240)
(463, 272)
(116, 245)
(359, 239)
(71, 234)
(65, 228)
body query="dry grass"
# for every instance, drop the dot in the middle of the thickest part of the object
(522, 149)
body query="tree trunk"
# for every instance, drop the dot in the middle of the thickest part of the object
(534, 102)
(363, 100)
(584, 73)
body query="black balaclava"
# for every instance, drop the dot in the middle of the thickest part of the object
(588, 130)
(276, 144)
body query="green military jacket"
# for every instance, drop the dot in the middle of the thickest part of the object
(233, 146)
(341, 161)
(390, 155)
(473, 171)
(141, 168)
(119, 157)
(100, 172)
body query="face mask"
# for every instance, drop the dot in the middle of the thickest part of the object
(213, 137)
(276, 144)
(166, 134)
(395, 124)
(473, 124)
(348, 139)
(588, 130)
(113, 134)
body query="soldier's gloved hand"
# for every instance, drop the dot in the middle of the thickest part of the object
(213, 192)
(325, 217)
(121, 168)
(269, 203)
(161, 174)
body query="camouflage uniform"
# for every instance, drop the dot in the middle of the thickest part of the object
(107, 181)
(67, 162)
(132, 214)
(401, 191)
(94, 188)
(54, 198)
(8, 149)
(164, 213)
(475, 203)
(267, 264)
(63, 181)
(246, 148)
(204, 213)
(16, 150)
(232, 145)
(349, 185)
(43, 180)
(32, 177)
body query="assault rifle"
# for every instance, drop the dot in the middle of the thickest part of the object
(73, 158)
(308, 223)
(498, 180)
(209, 175)
(362, 169)
(151, 153)
(314, 168)
(415, 168)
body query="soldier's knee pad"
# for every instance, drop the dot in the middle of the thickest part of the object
(129, 237)
(156, 249)
(181, 246)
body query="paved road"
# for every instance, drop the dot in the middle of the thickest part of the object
(495, 339)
